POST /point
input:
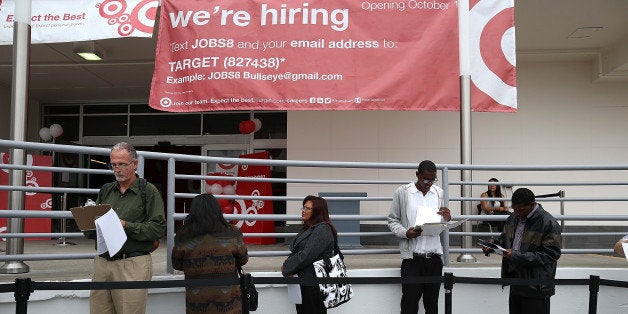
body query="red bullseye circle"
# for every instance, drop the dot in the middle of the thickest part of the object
(490, 45)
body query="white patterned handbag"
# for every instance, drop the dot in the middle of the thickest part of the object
(333, 294)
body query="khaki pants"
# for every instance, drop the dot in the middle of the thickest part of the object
(120, 301)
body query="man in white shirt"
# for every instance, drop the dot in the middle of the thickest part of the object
(413, 204)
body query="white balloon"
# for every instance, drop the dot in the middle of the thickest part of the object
(45, 135)
(228, 190)
(216, 189)
(56, 130)
(258, 124)
(208, 188)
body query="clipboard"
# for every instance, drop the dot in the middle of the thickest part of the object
(435, 228)
(86, 215)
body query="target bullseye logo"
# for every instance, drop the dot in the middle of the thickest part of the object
(141, 17)
(492, 49)
(165, 102)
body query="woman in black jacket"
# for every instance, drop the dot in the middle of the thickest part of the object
(314, 242)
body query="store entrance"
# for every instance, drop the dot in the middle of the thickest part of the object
(156, 172)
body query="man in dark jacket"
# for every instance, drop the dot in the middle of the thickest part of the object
(532, 239)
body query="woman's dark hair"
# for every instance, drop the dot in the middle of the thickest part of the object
(320, 213)
(498, 191)
(205, 217)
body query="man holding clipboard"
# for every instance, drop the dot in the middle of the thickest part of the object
(415, 204)
(140, 209)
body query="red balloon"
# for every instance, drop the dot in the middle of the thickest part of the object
(247, 127)
(224, 202)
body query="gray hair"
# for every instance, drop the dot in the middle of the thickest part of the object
(128, 147)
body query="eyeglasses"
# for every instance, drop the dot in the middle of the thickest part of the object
(118, 165)
(428, 181)
(306, 208)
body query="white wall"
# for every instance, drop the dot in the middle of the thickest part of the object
(563, 118)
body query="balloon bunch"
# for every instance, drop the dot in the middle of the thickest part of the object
(54, 131)
(250, 126)
(221, 187)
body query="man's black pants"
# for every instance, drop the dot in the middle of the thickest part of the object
(522, 305)
(420, 266)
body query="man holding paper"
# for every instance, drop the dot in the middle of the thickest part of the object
(140, 211)
(530, 245)
(413, 205)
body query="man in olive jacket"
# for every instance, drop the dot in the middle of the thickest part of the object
(141, 211)
(532, 238)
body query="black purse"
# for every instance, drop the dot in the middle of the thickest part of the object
(248, 291)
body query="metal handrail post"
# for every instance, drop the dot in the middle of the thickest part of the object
(64, 222)
(170, 215)
(141, 162)
(466, 156)
(445, 175)
(561, 194)
(64, 203)
(19, 104)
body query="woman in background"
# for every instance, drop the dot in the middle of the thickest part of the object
(494, 207)
(315, 241)
(208, 247)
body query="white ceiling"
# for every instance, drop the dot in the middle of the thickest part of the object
(598, 29)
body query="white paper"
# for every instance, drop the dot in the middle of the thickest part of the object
(625, 246)
(426, 215)
(435, 228)
(294, 293)
(110, 234)
(489, 245)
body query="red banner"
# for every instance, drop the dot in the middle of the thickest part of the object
(34, 201)
(81, 20)
(312, 55)
(254, 206)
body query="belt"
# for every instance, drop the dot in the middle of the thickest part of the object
(425, 255)
(120, 256)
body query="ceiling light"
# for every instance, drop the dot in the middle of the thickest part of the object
(89, 50)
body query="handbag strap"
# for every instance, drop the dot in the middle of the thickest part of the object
(337, 249)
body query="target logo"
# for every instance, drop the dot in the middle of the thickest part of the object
(5, 159)
(492, 49)
(165, 102)
(141, 17)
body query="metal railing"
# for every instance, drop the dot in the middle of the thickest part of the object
(24, 287)
(171, 215)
